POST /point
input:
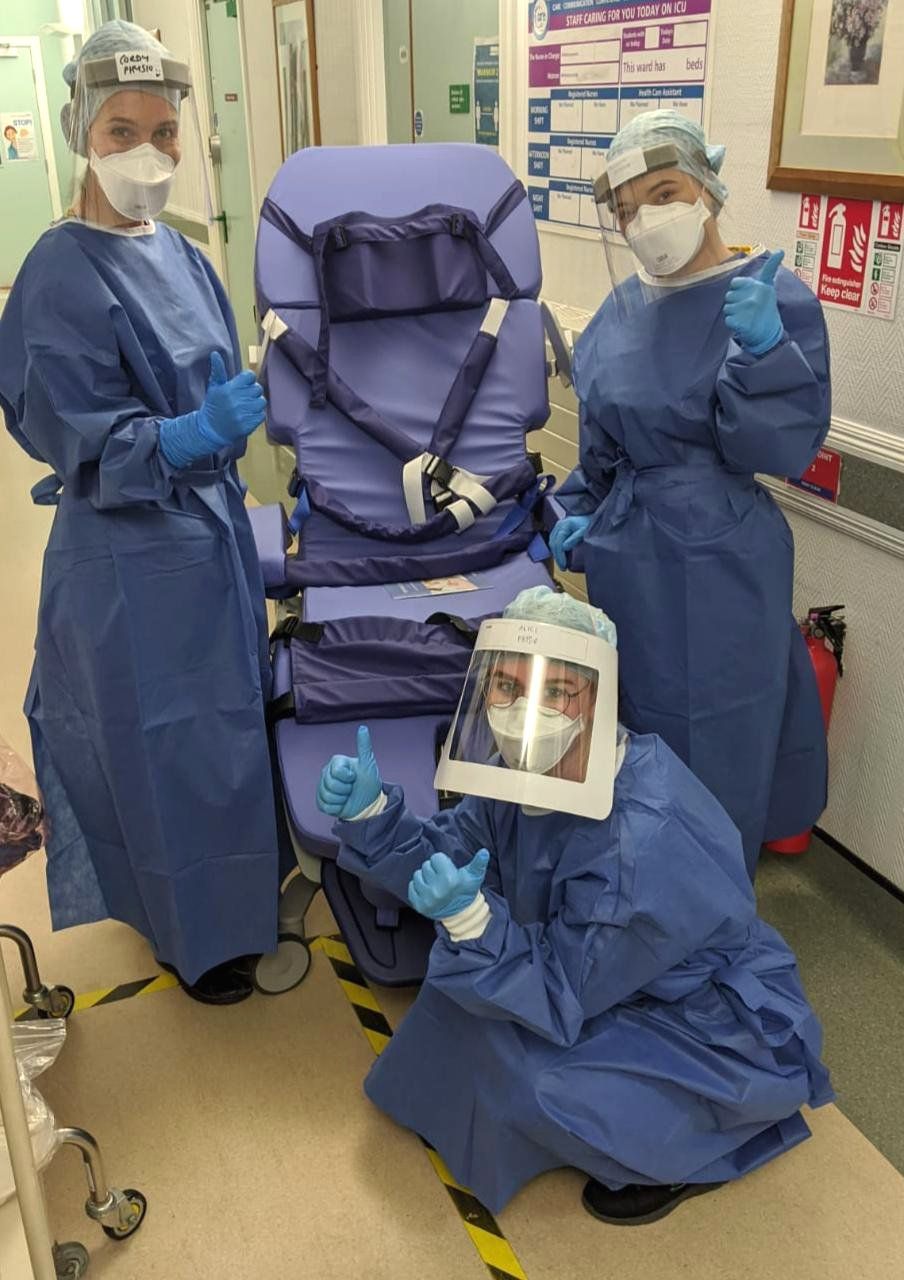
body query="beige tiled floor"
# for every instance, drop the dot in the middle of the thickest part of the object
(248, 1131)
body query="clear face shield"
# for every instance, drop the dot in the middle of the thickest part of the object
(537, 721)
(132, 125)
(661, 228)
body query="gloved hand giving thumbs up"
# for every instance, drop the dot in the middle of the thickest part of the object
(350, 784)
(441, 889)
(232, 409)
(751, 308)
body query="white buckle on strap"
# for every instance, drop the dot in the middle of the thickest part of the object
(465, 485)
(414, 489)
(462, 485)
(492, 321)
(462, 514)
(273, 327)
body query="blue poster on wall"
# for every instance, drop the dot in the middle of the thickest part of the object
(486, 91)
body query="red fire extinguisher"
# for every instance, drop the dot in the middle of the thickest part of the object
(824, 634)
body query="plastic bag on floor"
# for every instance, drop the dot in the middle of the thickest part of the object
(37, 1046)
(21, 812)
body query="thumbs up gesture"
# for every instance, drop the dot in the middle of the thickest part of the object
(350, 784)
(232, 408)
(751, 308)
(441, 889)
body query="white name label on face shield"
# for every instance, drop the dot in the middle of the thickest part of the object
(139, 64)
(630, 164)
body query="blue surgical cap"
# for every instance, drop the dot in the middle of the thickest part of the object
(542, 604)
(113, 37)
(694, 156)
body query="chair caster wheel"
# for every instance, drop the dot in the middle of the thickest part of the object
(285, 968)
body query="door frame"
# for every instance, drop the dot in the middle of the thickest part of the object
(33, 44)
(370, 73)
(206, 111)
(313, 71)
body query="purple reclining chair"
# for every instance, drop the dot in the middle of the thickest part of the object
(404, 362)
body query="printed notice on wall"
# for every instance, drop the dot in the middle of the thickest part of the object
(486, 91)
(594, 65)
(849, 252)
(822, 477)
(19, 141)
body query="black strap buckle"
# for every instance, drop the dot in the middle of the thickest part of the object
(463, 628)
(292, 628)
(440, 470)
(282, 708)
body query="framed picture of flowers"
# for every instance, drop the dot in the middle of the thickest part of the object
(838, 120)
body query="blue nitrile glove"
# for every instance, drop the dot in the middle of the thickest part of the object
(232, 409)
(442, 889)
(567, 534)
(751, 309)
(350, 784)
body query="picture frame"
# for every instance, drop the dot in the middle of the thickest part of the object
(838, 117)
(296, 73)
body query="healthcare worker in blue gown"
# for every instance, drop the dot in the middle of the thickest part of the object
(601, 993)
(119, 369)
(704, 365)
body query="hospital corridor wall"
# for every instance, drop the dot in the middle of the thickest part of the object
(849, 554)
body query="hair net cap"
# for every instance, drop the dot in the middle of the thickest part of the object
(696, 158)
(117, 36)
(542, 604)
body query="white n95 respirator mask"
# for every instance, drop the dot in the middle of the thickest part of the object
(667, 237)
(540, 750)
(137, 183)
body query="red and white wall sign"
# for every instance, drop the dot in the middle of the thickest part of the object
(823, 476)
(849, 252)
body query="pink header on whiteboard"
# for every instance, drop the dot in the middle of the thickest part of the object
(544, 66)
(598, 15)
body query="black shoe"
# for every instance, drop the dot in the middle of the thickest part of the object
(227, 983)
(635, 1205)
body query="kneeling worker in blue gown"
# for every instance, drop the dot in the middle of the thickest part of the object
(601, 993)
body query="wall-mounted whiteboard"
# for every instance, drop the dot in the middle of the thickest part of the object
(592, 66)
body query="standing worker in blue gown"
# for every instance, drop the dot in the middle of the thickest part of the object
(119, 368)
(601, 993)
(703, 366)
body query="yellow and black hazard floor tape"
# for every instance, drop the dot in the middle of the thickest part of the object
(495, 1252)
(110, 995)
(486, 1235)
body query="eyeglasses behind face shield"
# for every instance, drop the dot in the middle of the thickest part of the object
(558, 691)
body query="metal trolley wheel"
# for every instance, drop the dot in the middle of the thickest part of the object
(132, 1210)
(285, 969)
(70, 1260)
(59, 1003)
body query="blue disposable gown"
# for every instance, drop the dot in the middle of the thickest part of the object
(146, 701)
(625, 1012)
(690, 555)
